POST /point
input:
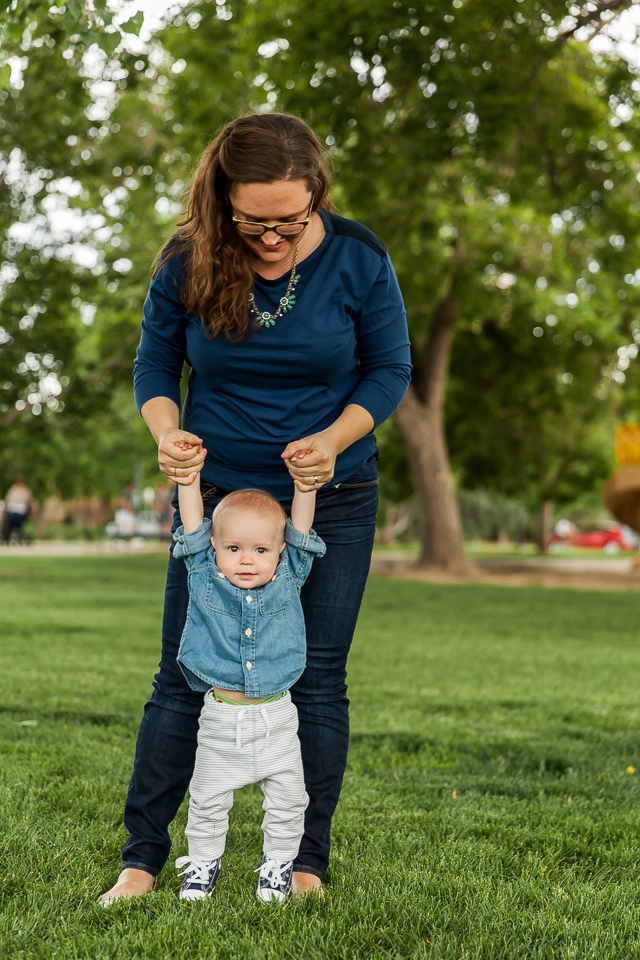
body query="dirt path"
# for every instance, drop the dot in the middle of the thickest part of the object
(93, 548)
(596, 574)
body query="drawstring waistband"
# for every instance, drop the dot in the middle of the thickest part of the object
(242, 709)
(241, 715)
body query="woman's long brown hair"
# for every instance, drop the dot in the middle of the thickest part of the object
(218, 274)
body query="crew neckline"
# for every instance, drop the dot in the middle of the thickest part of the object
(328, 234)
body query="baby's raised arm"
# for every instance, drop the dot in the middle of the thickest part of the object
(190, 502)
(304, 504)
(302, 510)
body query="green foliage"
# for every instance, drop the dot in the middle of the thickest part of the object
(523, 208)
(395, 479)
(67, 325)
(490, 516)
(486, 811)
(83, 23)
(537, 431)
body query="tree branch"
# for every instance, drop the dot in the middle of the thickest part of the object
(593, 17)
(549, 488)
(430, 372)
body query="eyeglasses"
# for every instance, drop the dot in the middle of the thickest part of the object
(253, 228)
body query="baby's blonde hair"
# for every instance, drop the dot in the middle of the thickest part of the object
(249, 499)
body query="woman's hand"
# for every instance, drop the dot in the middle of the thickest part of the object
(180, 455)
(311, 461)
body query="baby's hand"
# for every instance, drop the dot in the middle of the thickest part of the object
(299, 455)
(185, 445)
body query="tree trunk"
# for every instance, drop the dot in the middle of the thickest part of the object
(38, 512)
(440, 525)
(420, 419)
(544, 525)
(396, 523)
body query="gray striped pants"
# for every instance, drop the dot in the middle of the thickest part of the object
(238, 745)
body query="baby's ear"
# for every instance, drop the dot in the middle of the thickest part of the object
(213, 543)
(283, 546)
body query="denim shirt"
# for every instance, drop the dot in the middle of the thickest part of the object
(252, 640)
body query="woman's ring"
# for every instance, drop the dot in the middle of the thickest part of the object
(315, 481)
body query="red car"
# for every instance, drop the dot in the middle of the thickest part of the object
(610, 541)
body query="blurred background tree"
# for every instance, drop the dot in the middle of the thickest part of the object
(488, 147)
(491, 150)
(66, 330)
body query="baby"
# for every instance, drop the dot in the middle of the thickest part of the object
(244, 645)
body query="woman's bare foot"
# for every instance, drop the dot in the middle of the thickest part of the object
(304, 883)
(130, 883)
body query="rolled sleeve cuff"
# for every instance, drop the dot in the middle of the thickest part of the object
(309, 542)
(148, 386)
(381, 399)
(190, 544)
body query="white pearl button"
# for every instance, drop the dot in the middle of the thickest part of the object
(248, 664)
(222, 576)
(247, 632)
(249, 599)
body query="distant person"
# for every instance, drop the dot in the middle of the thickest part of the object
(17, 508)
(244, 646)
(124, 517)
(164, 508)
(565, 529)
(292, 322)
(125, 521)
(126, 499)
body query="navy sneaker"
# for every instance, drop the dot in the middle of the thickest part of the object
(275, 880)
(199, 878)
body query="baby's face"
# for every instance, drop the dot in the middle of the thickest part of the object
(248, 546)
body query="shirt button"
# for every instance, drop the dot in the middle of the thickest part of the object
(249, 599)
(273, 578)
(222, 576)
(247, 632)
(248, 664)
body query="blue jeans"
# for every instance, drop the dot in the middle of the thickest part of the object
(12, 521)
(167, 739)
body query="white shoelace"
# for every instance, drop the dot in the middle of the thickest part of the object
(199, 869)
(272, 871)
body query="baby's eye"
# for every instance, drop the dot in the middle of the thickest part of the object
(261, 549)
(233, 549)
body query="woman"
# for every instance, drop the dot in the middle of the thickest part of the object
(292, 322)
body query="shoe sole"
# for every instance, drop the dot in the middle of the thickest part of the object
(273, 898)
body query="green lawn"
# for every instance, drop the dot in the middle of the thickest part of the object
(487, 810)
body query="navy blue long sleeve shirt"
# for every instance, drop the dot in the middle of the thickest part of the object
(345, 341)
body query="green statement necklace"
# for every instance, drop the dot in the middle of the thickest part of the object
(287, 302)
